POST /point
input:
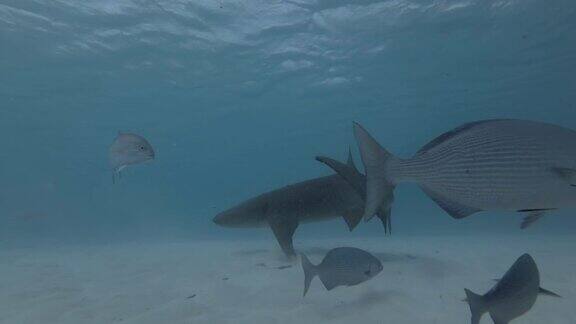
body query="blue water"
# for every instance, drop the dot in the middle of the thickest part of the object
(238, 97)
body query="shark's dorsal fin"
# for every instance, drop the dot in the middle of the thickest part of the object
(350, 175)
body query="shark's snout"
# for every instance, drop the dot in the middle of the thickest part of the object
(240, 216)
(220, 219)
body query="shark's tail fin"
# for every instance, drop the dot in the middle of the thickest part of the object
(379, 189)
(477, 305)
(310, 272)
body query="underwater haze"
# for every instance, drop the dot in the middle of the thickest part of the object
(237, 98)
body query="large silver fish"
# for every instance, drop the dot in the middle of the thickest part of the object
(490, 165)
(344, 266)
(513, 295)
(128, 149)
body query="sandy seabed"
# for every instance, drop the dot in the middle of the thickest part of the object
(247, 281)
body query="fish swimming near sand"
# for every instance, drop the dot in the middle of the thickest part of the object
(128, 149)
(343, 266)
(489, 165)
(314, 200)
(513, 295)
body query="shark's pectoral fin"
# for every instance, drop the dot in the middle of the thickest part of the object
(567, 174)
(546, 292)
(497, 320)
(454, 209)
(532, 216)
(283, 228)
(352, 218)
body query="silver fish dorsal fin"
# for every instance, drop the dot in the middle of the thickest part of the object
(453, 133)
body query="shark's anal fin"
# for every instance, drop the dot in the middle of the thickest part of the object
(352, 218)
(567, 174)
(283, 228)
(532, 216)
(350, 161)
(454, 209)
(546, 292)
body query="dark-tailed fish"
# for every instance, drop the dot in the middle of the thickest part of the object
(284, 209)
(344, 266)
(513, 295)
(128, 149)
(490, 165)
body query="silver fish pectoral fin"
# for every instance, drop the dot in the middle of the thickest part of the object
(567, 174)
(454, 209)
(532, 217)
(328, 282)
(283, 228)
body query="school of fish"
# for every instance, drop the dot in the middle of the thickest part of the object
(508, 165)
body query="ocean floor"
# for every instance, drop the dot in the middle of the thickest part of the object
(251, 282)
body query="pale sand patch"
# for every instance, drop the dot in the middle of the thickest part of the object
(239, 282)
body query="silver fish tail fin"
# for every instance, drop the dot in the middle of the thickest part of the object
(379, 189)
(310, 272)
(477, 306)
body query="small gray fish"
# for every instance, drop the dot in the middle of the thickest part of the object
(344, 266)
(489, 165)
(128, 149)
(513, 295)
